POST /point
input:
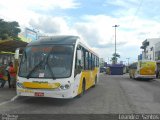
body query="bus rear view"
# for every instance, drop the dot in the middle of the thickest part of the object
(147, 69)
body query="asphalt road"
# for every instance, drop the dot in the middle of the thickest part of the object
(113, 94)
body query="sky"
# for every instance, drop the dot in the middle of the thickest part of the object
(92, 20)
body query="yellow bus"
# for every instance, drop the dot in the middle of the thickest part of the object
(143, 69)
(57, 67)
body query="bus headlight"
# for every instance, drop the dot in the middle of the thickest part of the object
(64, 87)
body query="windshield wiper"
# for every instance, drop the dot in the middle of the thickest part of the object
(29, 74)
(46, 63)
(51, 72)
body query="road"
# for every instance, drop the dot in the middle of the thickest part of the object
(113, 94)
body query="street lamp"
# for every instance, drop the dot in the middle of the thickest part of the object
(115, 26)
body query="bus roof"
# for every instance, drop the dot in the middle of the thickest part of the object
(143, 61)
(59, 39)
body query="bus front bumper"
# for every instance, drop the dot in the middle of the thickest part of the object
(46, 93)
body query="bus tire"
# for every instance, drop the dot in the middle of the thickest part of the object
(83, 88)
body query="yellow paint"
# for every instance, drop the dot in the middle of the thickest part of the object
(41, 85)
(89, 76)
(148, 68)
(143, 68)
(23, 90)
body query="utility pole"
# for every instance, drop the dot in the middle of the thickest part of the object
(108, 60)
(128, 61)
(115, 26)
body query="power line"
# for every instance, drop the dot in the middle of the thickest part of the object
(138, 8)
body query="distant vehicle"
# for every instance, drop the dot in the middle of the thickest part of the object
(143, 69)
(108, 71)
(57, 67)
(102, 69)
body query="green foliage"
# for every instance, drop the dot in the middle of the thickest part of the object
(116, 55)
(9, 30)
(115, 58)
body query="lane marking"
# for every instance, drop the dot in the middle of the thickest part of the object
(14, 98)
(5, 102)
(11, 100)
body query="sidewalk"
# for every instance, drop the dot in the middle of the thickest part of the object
(7, 93)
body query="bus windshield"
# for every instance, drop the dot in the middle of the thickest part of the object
(47, 61)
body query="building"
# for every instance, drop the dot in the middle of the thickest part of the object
(140, 57)
(101, 62)
(157, 51)
(148, 47)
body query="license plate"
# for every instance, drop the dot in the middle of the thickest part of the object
(39, 94)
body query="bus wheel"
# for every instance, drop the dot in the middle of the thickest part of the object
(83, 89)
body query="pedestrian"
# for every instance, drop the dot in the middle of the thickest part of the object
(12, 74)
(2, 80)
(7, 74)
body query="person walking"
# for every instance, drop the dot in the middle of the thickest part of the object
(2, 80)
(12, 74)
(7, 74)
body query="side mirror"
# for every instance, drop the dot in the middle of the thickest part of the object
(79, 54)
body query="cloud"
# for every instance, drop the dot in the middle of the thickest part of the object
(124, 7)
(96, 29)
(24, 10)
(40, 4)
(98, 32)
(122, 3)
(135, 25)
(47, 25)
(52, 26)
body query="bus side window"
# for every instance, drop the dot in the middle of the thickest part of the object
(86, 61)
(90, 61)
(79, 65)
(97, 62)
(135, 66)
(93, 62)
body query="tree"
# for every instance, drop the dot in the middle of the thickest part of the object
(9, 30)
(115, 58)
